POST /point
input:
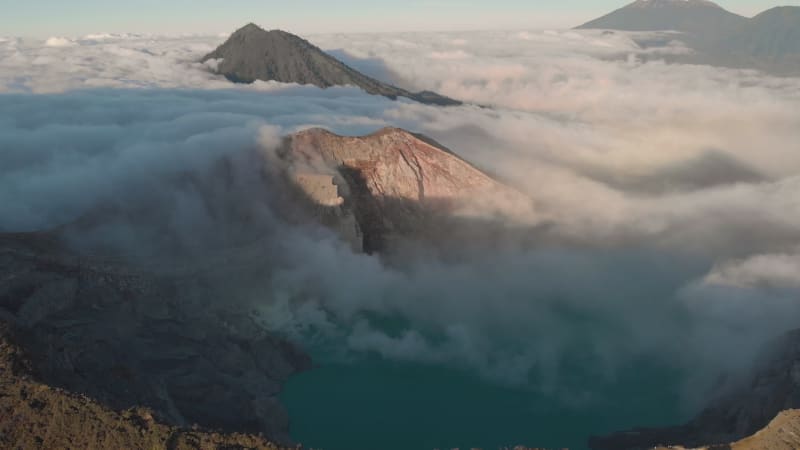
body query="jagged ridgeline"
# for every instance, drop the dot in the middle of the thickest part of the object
(252, 53)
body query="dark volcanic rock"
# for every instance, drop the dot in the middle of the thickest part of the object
(36, 416)
(252, 53)
(126, 338)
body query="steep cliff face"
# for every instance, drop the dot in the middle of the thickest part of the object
(399, 184)
(748, 406)
(127, 337)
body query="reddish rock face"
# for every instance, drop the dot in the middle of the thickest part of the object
(393, 163)
(395, 182)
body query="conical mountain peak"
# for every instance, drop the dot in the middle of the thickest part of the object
(689, 16)
(675, 4)
(249, 28)
(252, 53)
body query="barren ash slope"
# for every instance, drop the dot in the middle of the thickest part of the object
(252, 53)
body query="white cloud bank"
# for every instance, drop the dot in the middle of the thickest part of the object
(58, 42)
(666, 193)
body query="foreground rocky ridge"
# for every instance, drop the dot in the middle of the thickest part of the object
(129, 338)
(36, 416)
(782, 433)
(690, 16)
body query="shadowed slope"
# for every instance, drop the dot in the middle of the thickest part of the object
(128, 337)
(36, 416)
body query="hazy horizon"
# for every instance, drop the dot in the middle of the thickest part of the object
(310, 16)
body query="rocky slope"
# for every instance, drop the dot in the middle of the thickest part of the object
(252, 53)
(36, 416)
(782, 433)
(128, 337)
(397, 184)
(742, 410)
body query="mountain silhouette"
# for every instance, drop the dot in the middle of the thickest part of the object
(252, 53)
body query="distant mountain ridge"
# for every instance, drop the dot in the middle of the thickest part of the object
(696, 16)
(770, 41)
(252, 53)
(771, 38)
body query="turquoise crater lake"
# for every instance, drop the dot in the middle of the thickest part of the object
(378, 404)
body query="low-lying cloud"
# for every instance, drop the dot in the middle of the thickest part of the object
(666, 221)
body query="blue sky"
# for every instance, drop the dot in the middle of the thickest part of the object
(44, 18)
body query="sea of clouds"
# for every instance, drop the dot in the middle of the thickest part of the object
(666, 195)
